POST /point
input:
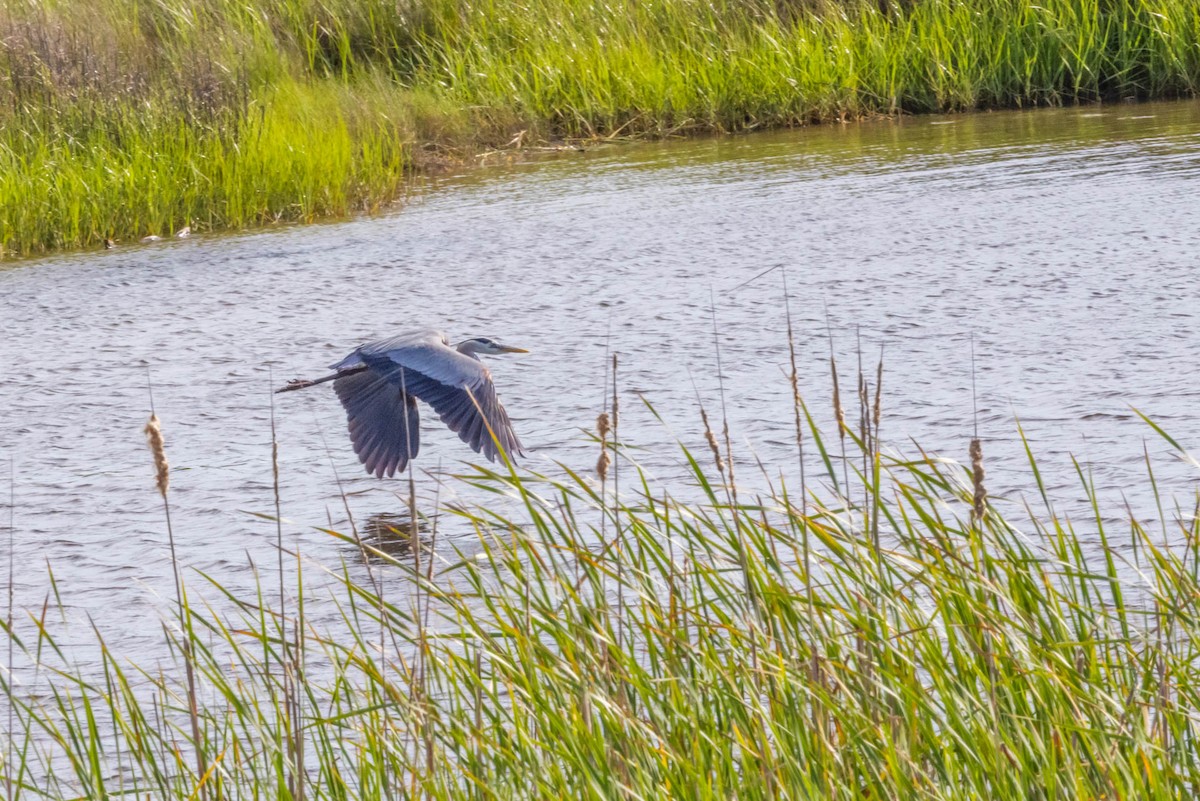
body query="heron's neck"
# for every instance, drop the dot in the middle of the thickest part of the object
(468, 348)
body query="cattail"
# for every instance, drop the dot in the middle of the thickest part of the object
(602, 426)
(728, 452)
(864, 408)
(797, 401)
(794, 377)
(602, 464)
(837, 399)
(712, 441)
(980, 500)
(797, 405)
(154, 438)
(876, 412)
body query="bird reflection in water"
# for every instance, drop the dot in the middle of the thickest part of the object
(391, 533)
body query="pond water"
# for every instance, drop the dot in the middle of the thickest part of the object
(1064, 242)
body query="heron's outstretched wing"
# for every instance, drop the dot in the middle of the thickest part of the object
(383, 422)
(427, 351)
(458, 387)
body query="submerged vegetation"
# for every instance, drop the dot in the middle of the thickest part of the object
(873, 629)
(131, 117)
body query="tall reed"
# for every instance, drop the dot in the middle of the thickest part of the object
(986, 671)
(912, 645)
(162, 481)
(8, 627)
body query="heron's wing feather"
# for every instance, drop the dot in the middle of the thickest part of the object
(383, 422)
(426, 351)
(462, 395)
(430, 354)
(475, 414)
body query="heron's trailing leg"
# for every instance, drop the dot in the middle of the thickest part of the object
(302, 383)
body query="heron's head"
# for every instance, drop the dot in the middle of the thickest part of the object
(484, 346)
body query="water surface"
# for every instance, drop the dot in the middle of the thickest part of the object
(1064, 242)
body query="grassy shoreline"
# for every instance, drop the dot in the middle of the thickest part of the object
(132, 118)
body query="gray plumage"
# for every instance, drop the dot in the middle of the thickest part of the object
(379, 385)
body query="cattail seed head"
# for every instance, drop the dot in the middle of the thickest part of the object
(837, 399)
(711, 438)
(877, 411)
(716, 449)
(728, 452)
(154, 438)
(864, 408)
(797, 405)
(979, 503)
(603, 428)
(602, 425)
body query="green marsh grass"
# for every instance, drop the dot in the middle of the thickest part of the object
(130, 118)
(897, 637)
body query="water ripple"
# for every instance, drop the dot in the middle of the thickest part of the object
(1063, 241)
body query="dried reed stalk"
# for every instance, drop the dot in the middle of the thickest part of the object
(162, 480)
(8, 684)
(419, 680)
(798, 410)
(288, 664)
(876, 415)
(838, 412)
(618, 535)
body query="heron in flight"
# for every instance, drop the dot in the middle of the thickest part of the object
(380, 382)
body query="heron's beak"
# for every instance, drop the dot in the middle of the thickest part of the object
(511, 349)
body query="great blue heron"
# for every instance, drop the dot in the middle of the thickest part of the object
(380, 382)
